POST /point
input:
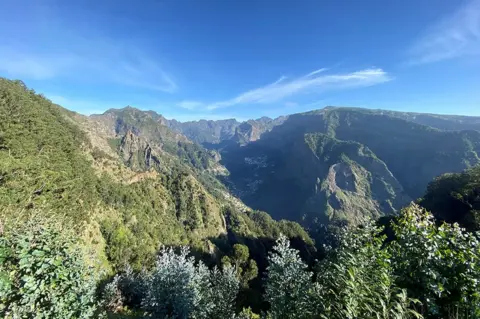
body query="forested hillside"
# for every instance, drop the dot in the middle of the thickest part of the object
(131, 192)
(455, 198)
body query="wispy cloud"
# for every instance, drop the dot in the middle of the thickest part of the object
(313, 82)
(455, 36)
(36, 67)
(190, 105)
(59, 47)
(132, 69)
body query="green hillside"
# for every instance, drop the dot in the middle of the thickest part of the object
(131, 193)
(455, 198)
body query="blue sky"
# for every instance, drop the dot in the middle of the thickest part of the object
(218, 59)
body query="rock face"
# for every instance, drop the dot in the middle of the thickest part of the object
(357, 185)
(203, 131)
(137, 152)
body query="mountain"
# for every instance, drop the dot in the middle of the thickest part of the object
(345, 163)
(215, 132)
(128, 180)
(333, 163)
(442, 122)
(204, 131)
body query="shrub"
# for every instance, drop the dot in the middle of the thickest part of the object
(179, 288)
(43, 273)
(439, 265)
(356, 279)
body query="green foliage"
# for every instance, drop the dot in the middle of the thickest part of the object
(194, 154)
(247, 313)
(260, 224)
(288, 283)
(125, 291)
(180, 288)
(43, 273)
(45, 165)
(356, 279)
(246, 269)
(41, 165)
(455, 198)
(439, 265)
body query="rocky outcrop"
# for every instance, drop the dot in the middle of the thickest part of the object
(136, 152)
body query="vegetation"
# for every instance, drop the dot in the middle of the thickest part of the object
(428, 270)
(97, 224)
(43, 272)
(455, 198)
(49, 163)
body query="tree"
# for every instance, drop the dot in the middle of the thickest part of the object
(224, 289)
(246, 269)
(288, 283)
(455, 198)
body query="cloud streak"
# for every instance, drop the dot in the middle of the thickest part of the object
(132, 69)
(57, 46)
(312, 83)
(455, 36)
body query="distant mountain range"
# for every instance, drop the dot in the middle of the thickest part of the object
(333, 163)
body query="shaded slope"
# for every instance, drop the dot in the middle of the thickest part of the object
(455, 198)
(292, 170)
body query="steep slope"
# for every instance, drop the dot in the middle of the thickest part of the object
(344, 163)
(357, 184)
(455, 198)
(414, 153)
(129, 193)
(153, 127)
(252, 130)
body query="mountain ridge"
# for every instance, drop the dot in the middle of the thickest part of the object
(261, 157)
(129, 190)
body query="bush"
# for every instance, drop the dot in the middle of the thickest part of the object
(356, 279)
(439, 265)
(126, 290)
(43, 273)
(179, 288)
